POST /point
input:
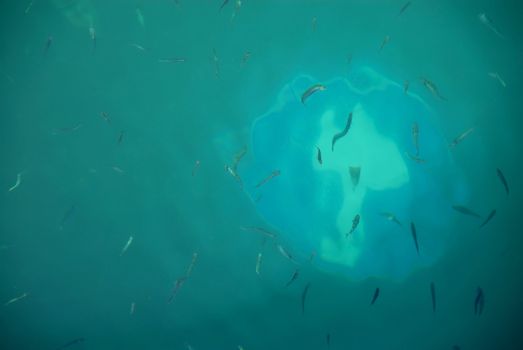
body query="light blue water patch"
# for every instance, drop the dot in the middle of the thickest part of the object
(312, 205)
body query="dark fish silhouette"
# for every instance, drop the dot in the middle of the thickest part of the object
(308, 93)
(268, 178)
(320, 160)
(465, 211)
(328, 340)
(68, 214)
(489, 217)
(177, 285)
(433, 296)
(355, 223)
(503, 180)
(304, 296)
(48, 44)
(375, 296)
(414, 236)
(479, 302)
(355, 172)
(293, 278)
(339, 135)
(406, 6)
(225, 2)
(72, 342)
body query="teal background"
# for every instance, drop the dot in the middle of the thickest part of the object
(174, 114)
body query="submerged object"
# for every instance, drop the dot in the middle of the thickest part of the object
(268, 178)
(355, 223)
(483, 18)
(415, 137)
(489, 217)
(355, 172)
(503, 180)
(308, 93)
(339, 135)
(375, 296)
(496, 76)
(465, 211)
(414, 236)
(432, 88)
(293, 277)
(392, 217)
(461, 137)
(318, 156)
(479, 302)
(304, 297)
(72, 342)
(404, 7)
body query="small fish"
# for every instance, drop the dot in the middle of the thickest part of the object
(258, 263)
(105, 117)
(314, 88)
(188, 346)
(72, 342)
(355, 172)
(68, 214)
(259, 230)
(171, 60)
(133, 306)
(344, 132)
(191, 266)
(415, 137)
(293, 277)
(139, 47)
(304, 296)
(483, 18)
(285, 253)
(272, 175)
(461, 137)
(432, 88)
(489, 217)
(415, 158)
(92, 34)
(237, 8)
(403, 8)
(127, 245)
(375, 296)
(120, 138)
(465, 211)
(498, 78)
(17, 183)
(216, 62)
(48, 44)
(234, 174)
(195, 167)
(318, 156)
(328, 338)
(414, 236)
(503, 180)
(117, 169)
(14, 300)
(67, 130)
(177, 285)
(28, 8)
(240, 347)
(245, 58)
(385, 42)
(433, 296)
(391, 217)
(238, 157)
(479, 302)
(355, 223)
(314, 23)
(406, 86)
(225, 2)
(139, 17)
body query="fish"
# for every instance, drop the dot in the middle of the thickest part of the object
(139, 17)
(432, 88)
(406, 6)
(17, 183)
(237, 8)
(311, 90)
(312, 256)
(293, 277)
(120, 138)
(355, 172)
(344, 132)
(258, 263)
(259, 230)
(355, 223)
(48, 44)
(385, 42)
(304, 296)
(414, 235)
(285, 253)
(92, 34)
(272, 175)
(117, 169)
(72, 342)
(498, 78)
(461, 137)
(177, 285)
(391, 217)
(191, 265)
(503, 180)
(68, 214)
(67, 130)
(318, 155)
(415, 137)
(28, 8)
(314, 23)
(406, 86)
(14, 300)
(415, 158)
(188, 346)
(246, 56)
(138, 46)
(171, 60)
(489, 217)
(105, 117)
(433, 296)
(375, 296)
(465, 211)
(456, 347)
(195, 167)
(224, 3)
(479, 302)
(483, 18)
(238, 157)
(127, 245)
(234, 174)
(328, 339)
(349, 59)
(133, 306)
(216, 62)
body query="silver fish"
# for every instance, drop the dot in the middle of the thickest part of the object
(483, 18)
(391, 217)
(461, 137)
(465, 211)
(432, 88)
(308, 93)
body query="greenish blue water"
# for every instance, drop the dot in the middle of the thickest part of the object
(88, 183)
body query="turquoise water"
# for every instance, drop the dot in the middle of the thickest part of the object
(126, 221)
